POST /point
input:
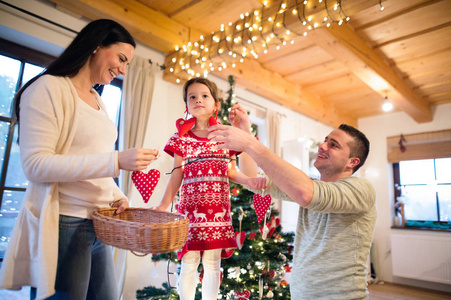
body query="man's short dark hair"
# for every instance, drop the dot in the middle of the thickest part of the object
(360, 146)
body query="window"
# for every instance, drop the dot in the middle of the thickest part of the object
(424, 188)
(20, 64)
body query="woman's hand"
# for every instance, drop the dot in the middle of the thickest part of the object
(136, 159)
(121, 205)
(159, 207)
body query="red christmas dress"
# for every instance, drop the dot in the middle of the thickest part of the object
(204, 196)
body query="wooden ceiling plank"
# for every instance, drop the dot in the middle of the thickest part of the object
(346, 46)
(204, 14)
(342, 84)
(412, 48)
(408, 23)
(167, 7)
(319, 73)
(257, 79)
(427, 64)
(146, 25)
(299, 60)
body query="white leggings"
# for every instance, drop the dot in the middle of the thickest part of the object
(211, 262)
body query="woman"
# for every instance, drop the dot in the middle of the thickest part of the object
(67, 154)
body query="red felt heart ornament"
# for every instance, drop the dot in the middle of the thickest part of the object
(183, 126)
(212, 121)
(272, 225)
(243, 294)
(239, 237)
(261, 205)
(146, 183)
(271, 273)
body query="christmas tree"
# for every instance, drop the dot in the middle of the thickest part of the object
(256, 269)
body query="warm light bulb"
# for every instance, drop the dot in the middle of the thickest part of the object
(387, 106)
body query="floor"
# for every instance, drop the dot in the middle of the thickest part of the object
(385, 291)
(388, 291)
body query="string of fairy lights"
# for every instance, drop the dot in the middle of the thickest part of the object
(272, 26)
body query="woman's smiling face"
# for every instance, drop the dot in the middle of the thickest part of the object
(109, 62)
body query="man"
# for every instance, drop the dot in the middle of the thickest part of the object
(336, 216)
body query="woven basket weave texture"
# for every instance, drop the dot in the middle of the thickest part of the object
(141, 230)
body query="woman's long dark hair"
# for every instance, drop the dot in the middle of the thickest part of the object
(101, 32)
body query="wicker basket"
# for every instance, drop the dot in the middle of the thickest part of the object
(141, 230)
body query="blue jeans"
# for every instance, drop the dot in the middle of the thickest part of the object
(85, 265)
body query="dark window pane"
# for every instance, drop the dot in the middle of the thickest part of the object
(9, 74)
(11, 203)
(4, 132)
(14, 175)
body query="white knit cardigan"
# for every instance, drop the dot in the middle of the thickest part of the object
(49, 118)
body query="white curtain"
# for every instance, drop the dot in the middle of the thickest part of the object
(137, 94)
(136, 101)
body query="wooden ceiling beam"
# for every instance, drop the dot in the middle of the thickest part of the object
(347, 47)
(145, 24)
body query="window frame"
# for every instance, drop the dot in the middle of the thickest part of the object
(397, 193)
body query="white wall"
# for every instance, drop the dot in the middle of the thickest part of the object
(380, 173)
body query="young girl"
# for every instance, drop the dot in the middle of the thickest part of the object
(205, 200)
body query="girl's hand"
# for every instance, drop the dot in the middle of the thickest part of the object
(257, 183)
(136, 159)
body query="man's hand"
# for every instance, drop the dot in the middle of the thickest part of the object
(239, 118)
(230, 137)
(257, 183)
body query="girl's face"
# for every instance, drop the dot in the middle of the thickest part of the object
(201, 103)
(109, 62)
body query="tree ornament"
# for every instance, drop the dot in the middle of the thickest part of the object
(240, 235)
(261, 205)
(242, 295)
(146, 183)
(183, 126)
(270, 228)
(270, 294)
(260, 286)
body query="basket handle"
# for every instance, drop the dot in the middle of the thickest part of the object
(138, 254)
